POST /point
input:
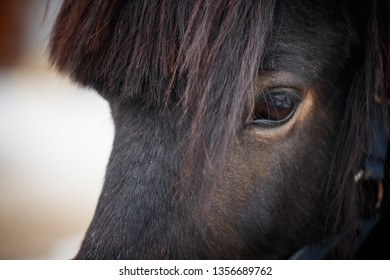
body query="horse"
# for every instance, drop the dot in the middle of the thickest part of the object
(243, 129)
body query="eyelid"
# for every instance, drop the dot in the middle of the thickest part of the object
(272, 79)
(293, 93)
(268, 80)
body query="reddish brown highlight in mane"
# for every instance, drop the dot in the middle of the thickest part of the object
(202, 55)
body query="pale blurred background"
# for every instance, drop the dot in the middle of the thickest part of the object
(55, 140)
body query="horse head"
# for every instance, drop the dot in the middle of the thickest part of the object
(240, 126)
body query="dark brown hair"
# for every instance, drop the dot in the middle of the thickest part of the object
(204, 56)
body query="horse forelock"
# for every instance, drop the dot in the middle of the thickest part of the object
(202, 56)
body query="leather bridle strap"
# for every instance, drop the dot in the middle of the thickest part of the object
(376, 152)
(373, 171)
(320, 250)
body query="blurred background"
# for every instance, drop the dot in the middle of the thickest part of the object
(55, 140)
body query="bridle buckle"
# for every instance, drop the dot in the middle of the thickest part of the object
(361, 176)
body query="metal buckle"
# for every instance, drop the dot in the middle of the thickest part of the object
(380, 101)
(361, 176)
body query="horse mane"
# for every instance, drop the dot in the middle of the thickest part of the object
(371, 81)
(204, 56)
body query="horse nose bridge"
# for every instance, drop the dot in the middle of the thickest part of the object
(141, 181)
(148, 143)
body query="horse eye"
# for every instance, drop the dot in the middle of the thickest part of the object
(276, 106)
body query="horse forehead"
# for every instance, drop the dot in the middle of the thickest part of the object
(308, 38)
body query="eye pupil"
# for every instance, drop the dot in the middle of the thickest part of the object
(276, 106)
